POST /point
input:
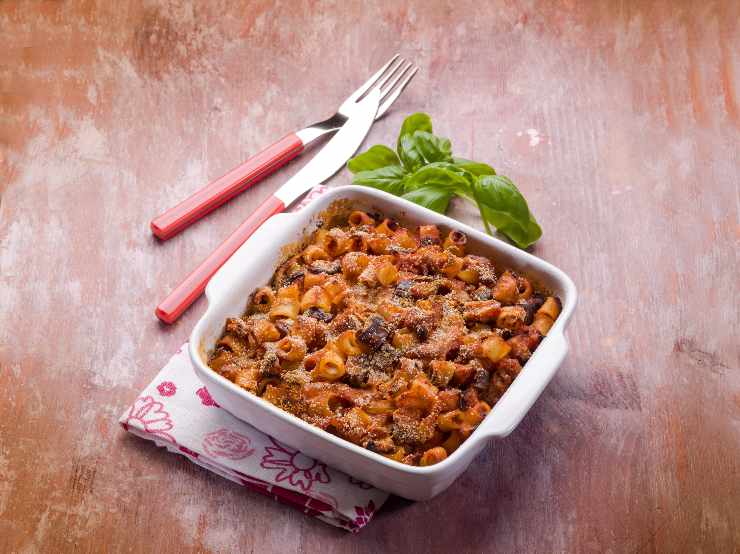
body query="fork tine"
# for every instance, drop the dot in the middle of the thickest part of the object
(367, 85)
(392, 76)
(393, 93)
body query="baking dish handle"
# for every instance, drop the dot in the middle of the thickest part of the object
(518, 399)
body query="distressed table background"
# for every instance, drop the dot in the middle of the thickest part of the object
(619, 120)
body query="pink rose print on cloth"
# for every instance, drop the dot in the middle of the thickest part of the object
(299, 470)
(205, 397)
(364, 514)
(149, 414)
(227, 444)
(167, 388)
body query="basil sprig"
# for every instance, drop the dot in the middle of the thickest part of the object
(423, 170)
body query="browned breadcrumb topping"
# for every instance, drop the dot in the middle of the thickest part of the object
(391, 338)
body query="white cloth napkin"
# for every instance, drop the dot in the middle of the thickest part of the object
(176, 412)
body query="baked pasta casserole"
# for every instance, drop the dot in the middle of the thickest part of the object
(397, 340)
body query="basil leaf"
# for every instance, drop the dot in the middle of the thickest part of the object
(448, 174)
(431, 197)
(376, 157)
(476, 168)
(410, 156)
(389, 178)
(439, 177)
(503, 206)
(415, 122)
(424, 171)
(433, 148)
(423, 148)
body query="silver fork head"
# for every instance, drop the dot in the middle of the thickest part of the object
(391, 79)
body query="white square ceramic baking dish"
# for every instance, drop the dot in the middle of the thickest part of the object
(252, 266)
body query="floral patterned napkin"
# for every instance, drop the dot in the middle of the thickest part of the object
(176, 412)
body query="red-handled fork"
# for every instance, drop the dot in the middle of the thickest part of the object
(276, 155)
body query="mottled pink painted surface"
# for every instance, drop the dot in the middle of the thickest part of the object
(619, 120)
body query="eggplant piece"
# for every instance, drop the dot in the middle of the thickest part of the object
(375, 334)
(319, 314)
(481, 380)
(403, 289)
(293, 277)
(482, 293)
(325, 266)
(531, 306)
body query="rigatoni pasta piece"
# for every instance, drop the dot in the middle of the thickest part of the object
(551, 307)
(263, 299)
(468, 273)
(543, 323)
(247, 378)
(386, 274)
(455, 242)
(265, 331)
(390, 311)
(421, 394)
(450, 421)
(291, 292)
(404, 239)
(313, 253)
(378, 244)
(428, 234)
(285, 309)
(316, 297)
(494, 348)
(398, 455)
(291, 348)
(505, 290)
(311, 279)
(220, 359)
(352, 425)
(545, 316)
(403, 338)
(348, 344)
(433, 456)
(453, 442)
(356, 242)
(481, 310)
(311, 361)
(359, 217)
(380, 406)
(330, 367)
(319, 237)
(525, 288)
(511, 317)
(452, 265)
(463, 375)
(387, 227)
(354, 263)
(335, 287)
(449, 399)
(231, 343)
(442, 372)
